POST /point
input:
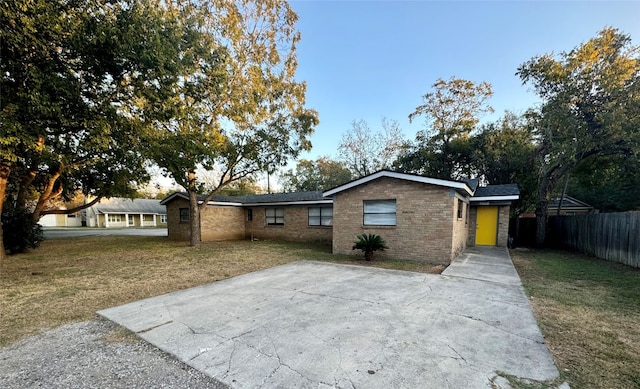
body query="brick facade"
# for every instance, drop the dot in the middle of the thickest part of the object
(175, 229)
(296, 226)
(425, 228)
(435, 220)
(231, 223)
(221, 223)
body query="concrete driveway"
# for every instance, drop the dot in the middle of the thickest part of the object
(319, 325)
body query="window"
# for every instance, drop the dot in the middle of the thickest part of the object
(184, 215)
(379, 213)
(320, 216)
(460, 208)
(131, 220)
(250, 215)
(163, 219)
(274, 216)
(114, 219)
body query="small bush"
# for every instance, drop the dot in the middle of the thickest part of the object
(20, 231)
(369, 243)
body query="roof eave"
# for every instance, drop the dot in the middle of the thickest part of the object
(401, 176)
(495, 198)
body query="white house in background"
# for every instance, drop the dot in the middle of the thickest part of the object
(122, 212)
(71, 220)
(113, 212)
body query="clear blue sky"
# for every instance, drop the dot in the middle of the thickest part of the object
(369, 59)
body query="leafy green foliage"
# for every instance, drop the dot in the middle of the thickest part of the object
(21, 231)
(321, 174)
(608, 183)
(591, 106)
(73, 78)
(235, 106)
(443, 148)
(503, 152)
(368, 244)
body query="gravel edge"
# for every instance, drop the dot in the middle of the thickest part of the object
(92, 354)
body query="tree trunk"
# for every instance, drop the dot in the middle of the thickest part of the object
(4, 178)
(194, 212)
(541, 222)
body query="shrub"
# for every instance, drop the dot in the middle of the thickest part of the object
(20, 231)
(369, 243)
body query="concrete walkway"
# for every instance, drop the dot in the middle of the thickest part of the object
(319, 325)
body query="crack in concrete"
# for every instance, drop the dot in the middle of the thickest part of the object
(154, 327)
(499, 329)
(342, 298)
(457, 353)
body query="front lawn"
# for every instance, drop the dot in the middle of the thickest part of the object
(589, 312)
(68, 280)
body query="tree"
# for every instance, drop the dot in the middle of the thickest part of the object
(320, 174)
(452, 111)
(591, 108)
(364, 152)
(236, 108)
(504, 153)
(72, 74)
(608, 183)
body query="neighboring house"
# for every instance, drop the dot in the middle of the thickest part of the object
(70, 220)
(122, 212)
(420, 218)
(570, 206)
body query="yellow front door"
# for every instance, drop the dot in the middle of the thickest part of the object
(487, 226)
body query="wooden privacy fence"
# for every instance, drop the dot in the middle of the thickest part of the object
(610, 236)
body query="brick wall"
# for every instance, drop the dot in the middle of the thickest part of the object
(296, 226)
(221, 223)
(503, 225)
(460, 228)
(175, 229)
(473, 218)
(424, 219)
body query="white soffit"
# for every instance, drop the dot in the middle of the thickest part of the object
(400, 176)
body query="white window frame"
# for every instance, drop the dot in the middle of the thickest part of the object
(114, 218)
(324, 217)
(163, 219)
(274, 216)
(379, 212)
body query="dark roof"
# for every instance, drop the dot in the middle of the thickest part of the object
(472, 183)
(497, 190)
(283, 197)
(258, 198)
(568, 203)
(123, 205)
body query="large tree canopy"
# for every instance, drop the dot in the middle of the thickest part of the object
(72, 73)
(236, 107)
(503, 152)
(321, 174)
(591, 108)
(452, 112)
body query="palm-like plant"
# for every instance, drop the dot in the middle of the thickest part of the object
(369, 243)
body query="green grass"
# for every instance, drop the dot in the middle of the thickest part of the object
(589, 312)
(67, 280)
